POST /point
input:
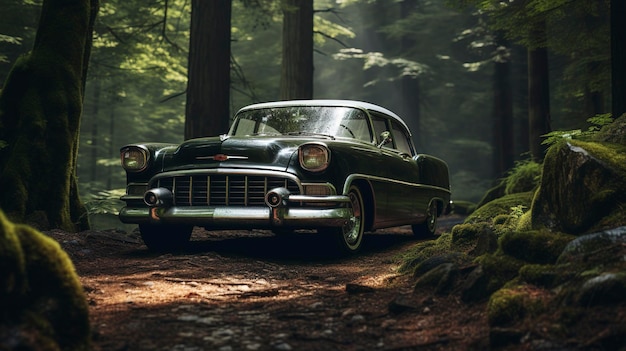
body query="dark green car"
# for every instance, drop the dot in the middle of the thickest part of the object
(341, 167)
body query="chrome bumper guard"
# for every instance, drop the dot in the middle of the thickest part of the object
(278, 213)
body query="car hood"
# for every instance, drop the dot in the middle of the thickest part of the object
(234, 152)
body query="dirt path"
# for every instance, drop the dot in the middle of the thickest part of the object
(254, 291)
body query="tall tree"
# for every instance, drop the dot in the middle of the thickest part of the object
(296, 81)
(208, 88)
(40, 111)
(504, 155)
(618, 57)
(538, 94)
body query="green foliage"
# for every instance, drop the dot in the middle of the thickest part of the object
(104, 201)
(525, 176)
(500, 206)
(597, 122)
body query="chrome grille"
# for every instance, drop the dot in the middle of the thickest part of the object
(223, 190)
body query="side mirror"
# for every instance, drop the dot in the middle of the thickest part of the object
(385, 138)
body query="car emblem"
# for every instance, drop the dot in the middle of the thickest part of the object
(221, 157)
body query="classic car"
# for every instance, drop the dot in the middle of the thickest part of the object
(339, 167)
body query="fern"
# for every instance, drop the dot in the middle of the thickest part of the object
(597, 122)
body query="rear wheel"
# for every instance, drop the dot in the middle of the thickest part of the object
(165, 237)
(348, 238)
(428, 228)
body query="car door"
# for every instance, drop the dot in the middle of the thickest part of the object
(395, 188)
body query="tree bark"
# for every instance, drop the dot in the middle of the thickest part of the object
(208, 88)
(40, 111)
(410, 86)
(618, 58)
(504, 140)
(538, 95)
(297, 66)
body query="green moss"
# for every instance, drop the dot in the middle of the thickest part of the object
(524, 177)
(613, 154)
(465, 235)
(52, 313)
(499, 269)
(538, 246)
(539, 274)
(505, 307)
(501, 206)
(524, 223)
(425, 250)
(511, 305)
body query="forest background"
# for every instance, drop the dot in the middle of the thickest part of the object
(436, 63)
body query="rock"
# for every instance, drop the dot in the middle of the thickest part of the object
(605, 289)
(402, 303)
(591, 242)
(582, 183)
(475, 287)
(441, 277)
(614, 132)
(435, 261)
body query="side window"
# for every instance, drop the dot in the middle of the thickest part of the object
(380, 125)
(401, 138)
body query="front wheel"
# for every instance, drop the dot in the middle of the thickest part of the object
(348, 238)
(165, 237)
(428, 228)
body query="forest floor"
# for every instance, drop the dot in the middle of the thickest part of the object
(252, 290)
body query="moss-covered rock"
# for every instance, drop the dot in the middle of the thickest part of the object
(505, 307)
(614, 132)
(500, 206)
(42, 303)
(538, 246)
(582, 183)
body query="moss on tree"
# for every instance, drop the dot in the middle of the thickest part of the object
(42, 303)
(40, 110)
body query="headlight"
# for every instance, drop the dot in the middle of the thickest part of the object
(314, 157)
(134, 158)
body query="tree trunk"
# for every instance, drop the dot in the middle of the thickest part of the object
(296, 80)
(504, 154)
(40, 111)
(618, 58)
(410, 86)
(208, 88)
(538, 96)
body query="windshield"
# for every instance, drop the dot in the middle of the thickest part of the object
(340, 122)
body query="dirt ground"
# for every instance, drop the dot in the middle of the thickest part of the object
(252, 290)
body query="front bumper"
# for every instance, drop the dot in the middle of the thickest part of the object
(295, 211)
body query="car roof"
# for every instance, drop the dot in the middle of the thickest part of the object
(331, 103)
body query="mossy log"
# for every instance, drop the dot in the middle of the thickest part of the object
(42, 303)
(40, 110)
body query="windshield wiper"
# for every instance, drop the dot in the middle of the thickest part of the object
(312, 134)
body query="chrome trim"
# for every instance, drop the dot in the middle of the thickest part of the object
(228, 157)
(237, 217)
(236, 171)
(314, 199)
(352, 177)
